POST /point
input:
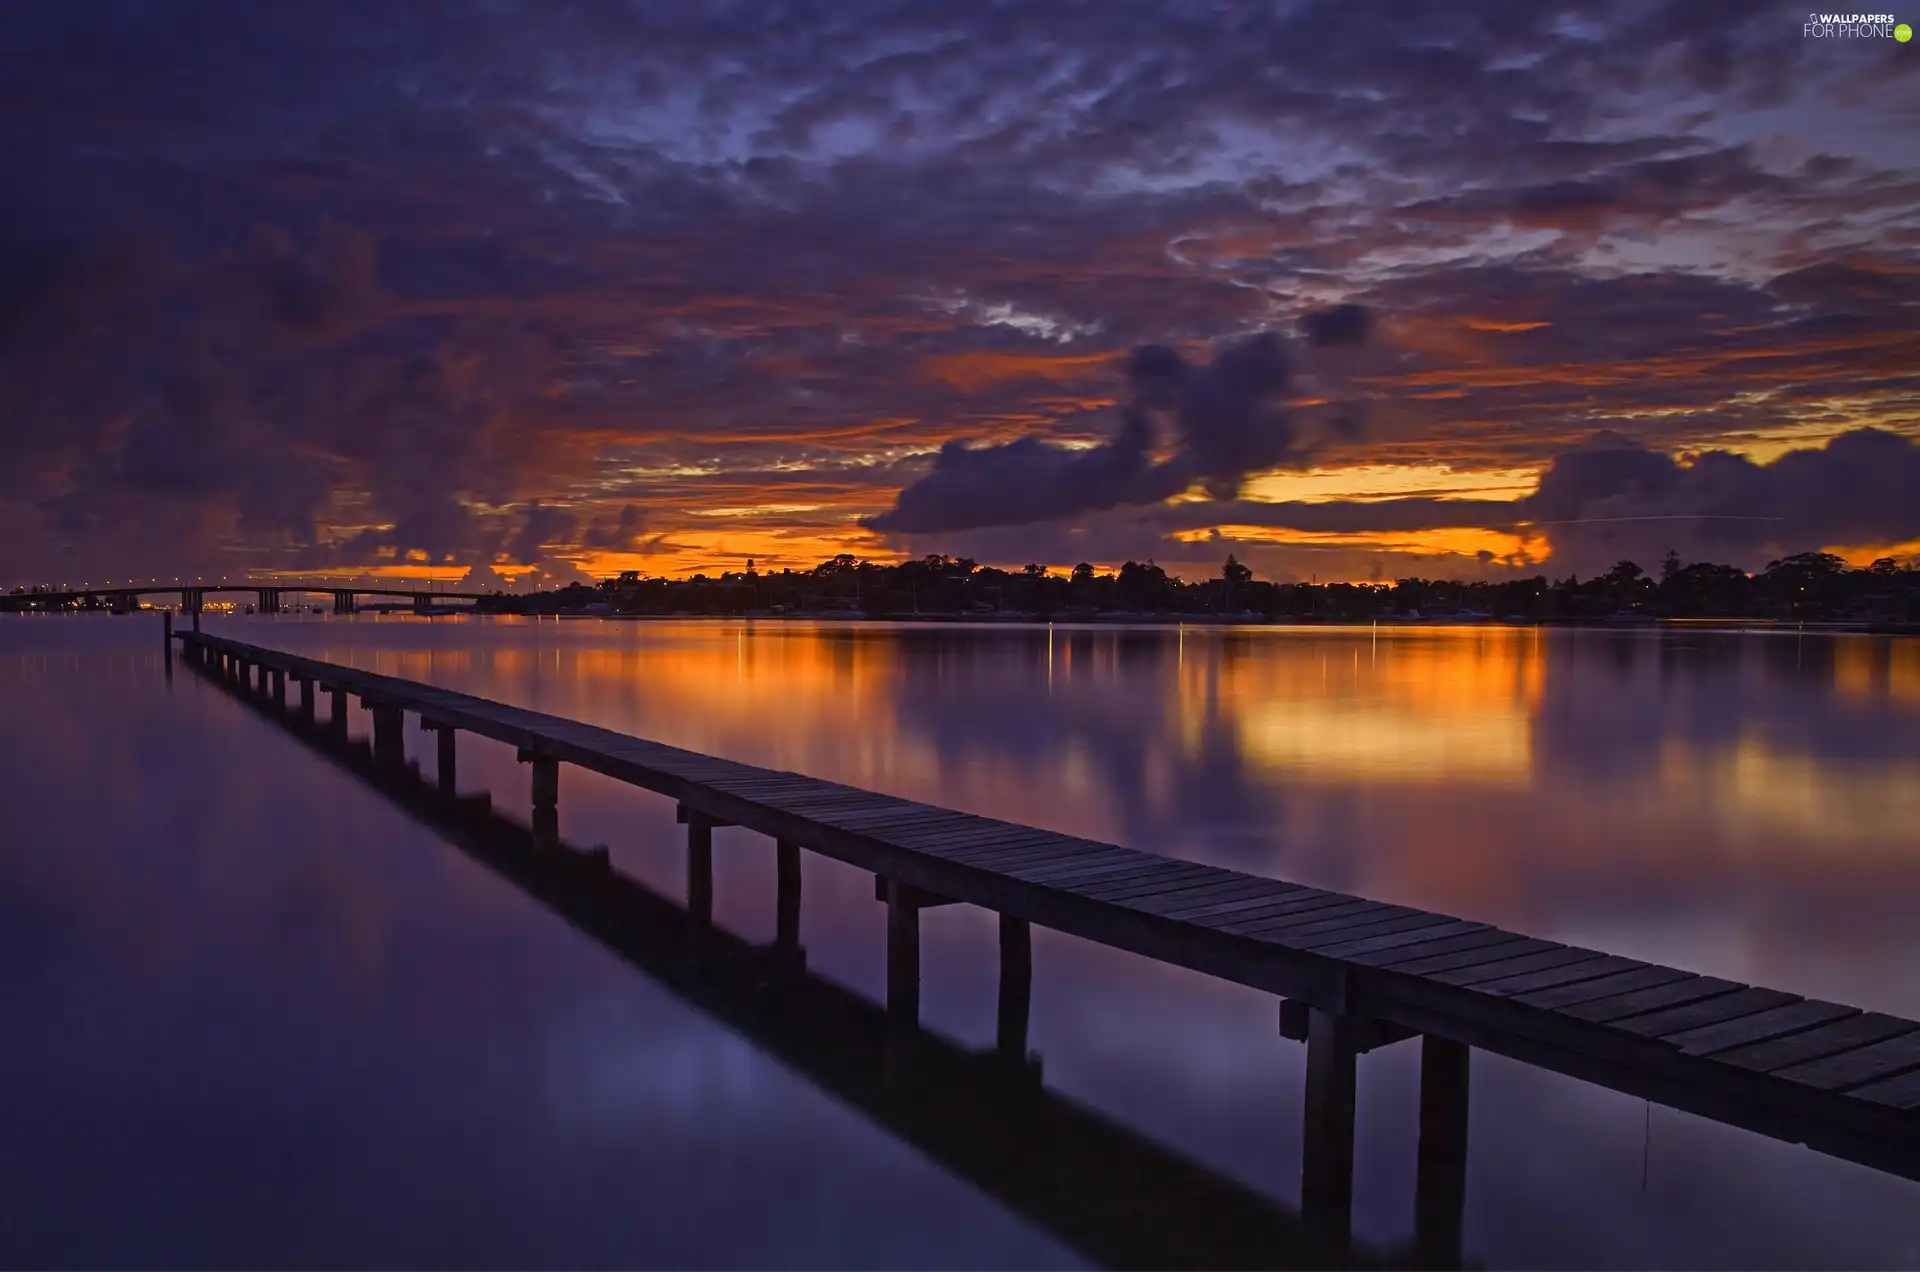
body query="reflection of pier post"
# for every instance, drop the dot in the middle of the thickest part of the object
(546, 799)
(444, 767)
(389, 738)
(1440, 1192)
(1326, 1167)
(1016, 988)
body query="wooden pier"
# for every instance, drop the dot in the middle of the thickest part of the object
(1116, 1196)
(1355, 974)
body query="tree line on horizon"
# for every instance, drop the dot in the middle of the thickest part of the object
(1812, 586)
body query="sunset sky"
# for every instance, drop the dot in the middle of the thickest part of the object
(533, 290)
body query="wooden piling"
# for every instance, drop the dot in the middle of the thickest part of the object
(699, 868)
(1326, 1167)
(903, 956)
(787, 896)
(1440, 1188)
(1016, 988)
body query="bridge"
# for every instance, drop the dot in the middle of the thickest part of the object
(268, 597)
(1353, 974)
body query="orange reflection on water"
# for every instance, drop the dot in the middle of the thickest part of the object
(1433, 705)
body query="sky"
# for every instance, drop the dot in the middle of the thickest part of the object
(541, 291)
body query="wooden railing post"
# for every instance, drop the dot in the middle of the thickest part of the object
(1326, 1166)
(1440, 1188)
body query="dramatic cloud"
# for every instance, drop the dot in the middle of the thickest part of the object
(1613, 499)
(603, 285)
(1228, 419)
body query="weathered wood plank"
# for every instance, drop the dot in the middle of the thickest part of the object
(1235, 889)
(1176, 873)
(1349, 933)
(1744, 1002)
(1568, 974)
(1605, 987)
(997, 850)
(1238, 905)
(1253, 925)
(1901, 1093)
(1600, 1011)
(1548, 960)
(1858, 1067)
(1097, 857)
(1294, 904)
(1842, 1035)
(1380, 942)
(1084, 873)
(1490, 946)
(1220, 886)
(1004, 856)
(1082, 868)
(1724, 1035)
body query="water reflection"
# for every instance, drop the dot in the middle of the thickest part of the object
(1738, 804)
(1114, 1195)
(1590, 785)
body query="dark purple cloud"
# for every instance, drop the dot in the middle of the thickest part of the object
(383, 283)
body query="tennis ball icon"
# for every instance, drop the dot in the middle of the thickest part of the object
(1903, 33)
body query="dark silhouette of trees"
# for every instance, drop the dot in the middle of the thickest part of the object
(1803, 587)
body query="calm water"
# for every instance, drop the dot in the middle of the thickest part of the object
(255, 1015)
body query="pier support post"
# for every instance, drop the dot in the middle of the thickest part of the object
(389, 740)
(786, 923)
(1326, 1166)
(1440, 1188)
(546, 801)
(166, 640)
(337, 713)
(699, 868)
(306, 699)
(1016, 988)
(903, 956)
(279, 690)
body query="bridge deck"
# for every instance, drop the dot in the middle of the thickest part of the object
(1836, 1078)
